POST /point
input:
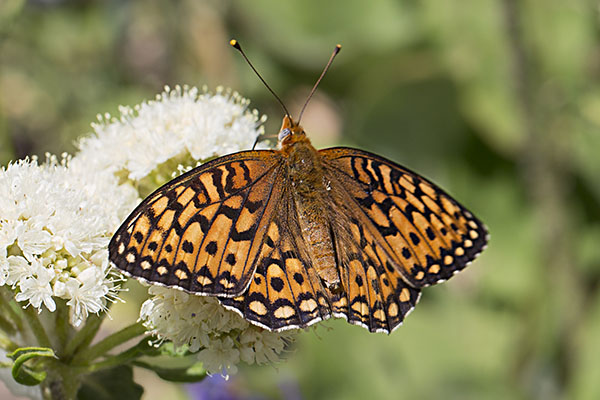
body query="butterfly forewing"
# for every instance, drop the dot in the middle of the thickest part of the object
(202, 231)
(423, 231)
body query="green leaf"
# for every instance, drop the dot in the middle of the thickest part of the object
(26, 375)
(189, 374)
(110, 384)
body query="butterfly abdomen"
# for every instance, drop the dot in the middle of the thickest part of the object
(306, 174)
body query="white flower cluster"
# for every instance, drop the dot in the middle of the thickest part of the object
(221, 337)
(55, 225)
(184, 126)
(57, 218)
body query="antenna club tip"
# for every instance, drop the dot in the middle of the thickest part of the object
(234, 43)
(338, 46)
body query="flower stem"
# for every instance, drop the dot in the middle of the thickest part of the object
(109, 343)
(62, 382)
(36, 327)
(63, 328)
(113, 361)
(7, 326)
(85, 335)
(11, 308)
(7, 344)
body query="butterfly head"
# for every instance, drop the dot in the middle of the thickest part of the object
(290, 132)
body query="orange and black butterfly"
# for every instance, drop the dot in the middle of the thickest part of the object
(293, 236)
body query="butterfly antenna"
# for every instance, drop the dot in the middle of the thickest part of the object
(337, 49)
(236, 45)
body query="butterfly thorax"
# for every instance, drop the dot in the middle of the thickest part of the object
(306, 176)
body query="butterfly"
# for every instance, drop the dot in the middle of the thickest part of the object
(293, 236)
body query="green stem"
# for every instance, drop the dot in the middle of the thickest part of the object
(8, 306)
(62, 382)
(85, 335)
(7, 344)
(63, 328)
(7, 326)
(36, 327)
(113, 361)
(109, 343)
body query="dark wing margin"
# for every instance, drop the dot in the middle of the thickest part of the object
(201, 232)
(427, 235)
(285, 291)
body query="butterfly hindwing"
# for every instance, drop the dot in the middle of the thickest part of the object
(285, 292)
(374, 294)
(202, 231)
(425, 233)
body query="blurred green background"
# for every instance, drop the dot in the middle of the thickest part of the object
(498, 101)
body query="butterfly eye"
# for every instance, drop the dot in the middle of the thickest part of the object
(284, 133)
